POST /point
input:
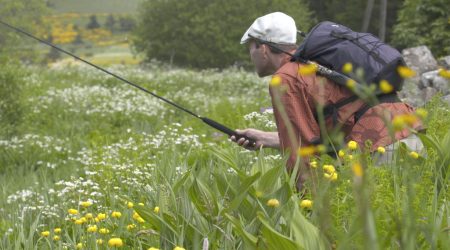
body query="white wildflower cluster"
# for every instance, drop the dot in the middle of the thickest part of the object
(263, 120)
(47, 143)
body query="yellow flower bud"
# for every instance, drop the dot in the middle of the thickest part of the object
(381, 150)
(99, 242)
(352, 145)
(156, 209)
(308, 69)
(73, 211)
(444, 73)
(92, 229)
(307, 204)
(273, 203)
(179, 248)
(329, 169)
(414, 155)
(130, 204)
(405, 72)
(351, 84)
(115, 242)
(89, 216)
(275, 81)
(86, 204)
(45, 233)
(101, 216)
(313, 164)
(341, 153)
(357, 169)
(103, 231)
(79, 245)
(153, 248)
(116, 214)
(347, 68)
(306, 151)
(131, 227)
(56, 238)
(386, 87)
(141, 204)
(57, 230)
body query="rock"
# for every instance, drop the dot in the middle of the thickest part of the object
(434, 80)
(419, 59)
(445, 62)
(428, 93)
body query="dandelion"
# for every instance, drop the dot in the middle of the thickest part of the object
(444, 73)
(131, 227)
(308, 69)
(103, 231)
(386, 87)
(351, 84)
(116, 214)
(381, 150)
(45, 233)
(92, 229)
(99, 241)
(156, 209)
(352, 145)
(56, 238)
(115, 242)
(57, 230)
(275, 81)
(130, 204)
(273, 203)
(405, 72)
(86, 204)
(179, 248)
(79, 245)
(347, 68)
(414, 154)
(73, 211)
(306, 151)
(341, 153)
(306, 204)
(357, 169)
(79, 222)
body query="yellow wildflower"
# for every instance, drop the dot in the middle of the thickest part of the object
(357, 169)
(275, 81)
(73, 211)
(79, 222)
(156, 209)
(140, 220)
(99, 241)
(350, 157)
(56, 238)
(136, 215)
(347, 68)
(381, 150)
(351, 84)
(398, 123)
(116, 214)
(89, 216)
(131, 226)
(329, 169)
(101, 216)
(103, 231)
(115, 242)
(306, 151)
(79, 245)
(308, 69)
(273, 203)
(57, 230)
(307, 204)
(444, 73)
(45, 233)
(141, 204)
(352, 145)
(386, 87)
(313, 164)
(422, 113)
(92, 229)
(130, 204)
(331, 176)
(86, 204)
(405, 72)
(341, 153)
(414, 155)
(179, 248)
(153, 248)
(83, 219)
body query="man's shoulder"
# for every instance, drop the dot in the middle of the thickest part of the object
(289, 69)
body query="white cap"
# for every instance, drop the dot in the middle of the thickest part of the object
(275, 27)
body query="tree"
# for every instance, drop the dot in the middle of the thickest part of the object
(424, 22)
(205, 33)
(93, 23)
(127, 23)
(110, 22)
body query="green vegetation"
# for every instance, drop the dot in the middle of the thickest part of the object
(95, 6)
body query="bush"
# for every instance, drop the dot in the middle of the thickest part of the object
(10, 92)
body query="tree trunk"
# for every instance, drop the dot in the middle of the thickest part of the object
(367, 16)
(383, 14)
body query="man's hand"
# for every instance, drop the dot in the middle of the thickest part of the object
(261, 138)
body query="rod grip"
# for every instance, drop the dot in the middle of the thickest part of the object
(226, 130)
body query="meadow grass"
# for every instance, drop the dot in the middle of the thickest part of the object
(96, 159)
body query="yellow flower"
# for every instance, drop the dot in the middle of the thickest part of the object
(306, 204)
(405, 72)
(422, 113)
(329, 169)
(141, 204)
(45, 233)
(57, 230)
(136, 215)
(347, 68)
(341, 153)
(444, 73)
(275, 81)
(79, 222)
(351, 84)
(99, 241)
(79, 245)
(350, 157)
(156, 209)
(89, 216)
(83, 219)
(381, 150)
(130, 204)
(308, 69)
(321, 148)
(56, 238)
(131, 227)
(414, 155)
(357, 169)
(313, 164)
(101, 216)
(103, 231)
(153, 248)
(116, 214)
(73, 211)
(386, 87)
(398, 123)
(352, 145)
(273, 203)
(306, 151)
(115, 242)
(92, 229)
(179, 248)
(331, 176)
(140, 220)
(86, 204)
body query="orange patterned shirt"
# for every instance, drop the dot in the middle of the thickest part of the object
(299, 96)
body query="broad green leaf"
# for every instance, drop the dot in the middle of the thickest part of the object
(274, 239)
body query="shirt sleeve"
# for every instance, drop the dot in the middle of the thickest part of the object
(292, 99)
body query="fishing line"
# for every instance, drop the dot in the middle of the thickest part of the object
(210, 122)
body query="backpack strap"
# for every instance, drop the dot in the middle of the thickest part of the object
(387, 98)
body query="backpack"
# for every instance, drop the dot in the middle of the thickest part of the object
(333, 45)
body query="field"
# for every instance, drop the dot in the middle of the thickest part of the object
(88, 162)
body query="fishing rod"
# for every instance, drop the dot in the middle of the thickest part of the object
(210, 122)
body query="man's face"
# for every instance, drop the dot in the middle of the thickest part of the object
(259, 58)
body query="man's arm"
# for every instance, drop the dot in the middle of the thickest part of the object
(261, 138)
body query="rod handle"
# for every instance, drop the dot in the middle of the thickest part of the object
(226, 130)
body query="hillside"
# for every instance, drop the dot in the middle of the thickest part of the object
(95, 6)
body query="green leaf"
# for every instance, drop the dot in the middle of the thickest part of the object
(274, 239)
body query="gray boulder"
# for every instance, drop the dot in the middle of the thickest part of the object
(419, 59)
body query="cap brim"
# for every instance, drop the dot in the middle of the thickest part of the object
(245, 37)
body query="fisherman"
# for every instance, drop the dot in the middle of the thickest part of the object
(299, 95)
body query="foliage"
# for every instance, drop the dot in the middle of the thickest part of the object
(10, 98)
(205, 34)
(424, 22)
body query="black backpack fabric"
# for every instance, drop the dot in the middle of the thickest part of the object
(332, 45)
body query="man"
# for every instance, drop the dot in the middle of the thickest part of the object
(295, 97)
